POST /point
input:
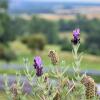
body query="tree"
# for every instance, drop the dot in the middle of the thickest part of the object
(35, 41)
(49, 28)
(93, 43)
(4, 21)
(4, 4)
(51, 31)
(18, 27)
(35, 25)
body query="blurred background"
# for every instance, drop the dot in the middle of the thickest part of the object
(33, 27)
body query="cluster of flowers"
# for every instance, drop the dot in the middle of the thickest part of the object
(55, 85)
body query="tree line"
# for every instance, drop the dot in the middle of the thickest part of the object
(15, 27)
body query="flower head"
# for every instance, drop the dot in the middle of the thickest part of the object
(38, 65)
(37, 62)
(76, 34)
(39, 71)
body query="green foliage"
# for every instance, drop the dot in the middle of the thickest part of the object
(2, 50)
(6, 53)
(53, 85)
(65, 45)
(14, 27)
(3, 4)
(5, 34)
(36, 25)
(9, 55)
(19, 48)
(15, 91)
(49, 28)
(4, 28)
(93, 44)
(88, 26)
(52, 33)
(18, 27)
(36, 41)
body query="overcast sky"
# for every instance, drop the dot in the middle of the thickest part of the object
(95, 1)
(70, 0)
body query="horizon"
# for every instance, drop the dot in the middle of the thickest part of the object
(69, 1)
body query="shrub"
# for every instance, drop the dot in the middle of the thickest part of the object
(92, 44)
(36, 41)
(6, 53)
(65, 45)
(9, 55)
(19, 48)
(2, 51)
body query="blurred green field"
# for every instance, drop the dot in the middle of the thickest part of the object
(88, 62)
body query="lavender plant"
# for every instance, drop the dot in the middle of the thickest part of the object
(90, 90)
(54, 84)
(14, 90)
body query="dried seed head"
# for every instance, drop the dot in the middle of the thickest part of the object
(14, 90)
(90, 86)
(54, 57)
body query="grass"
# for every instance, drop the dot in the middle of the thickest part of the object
(10, 72)
(88, 62)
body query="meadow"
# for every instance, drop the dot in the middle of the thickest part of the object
(89, 61)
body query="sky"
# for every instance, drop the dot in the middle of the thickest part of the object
(71, 0)
(92, 1)
(17, 3)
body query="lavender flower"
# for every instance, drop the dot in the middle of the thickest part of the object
(76, 34)
(38, 65)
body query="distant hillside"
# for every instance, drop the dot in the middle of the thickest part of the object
(43, 7)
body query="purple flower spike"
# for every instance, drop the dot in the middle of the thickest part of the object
(38, 65)
(39, 71)
(76, 34)
(37, 62)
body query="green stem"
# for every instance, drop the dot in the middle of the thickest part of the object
(76, 58)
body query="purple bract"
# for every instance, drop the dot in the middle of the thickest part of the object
(38, 65)
(76, 34)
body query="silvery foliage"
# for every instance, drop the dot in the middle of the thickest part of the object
(52, 85)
